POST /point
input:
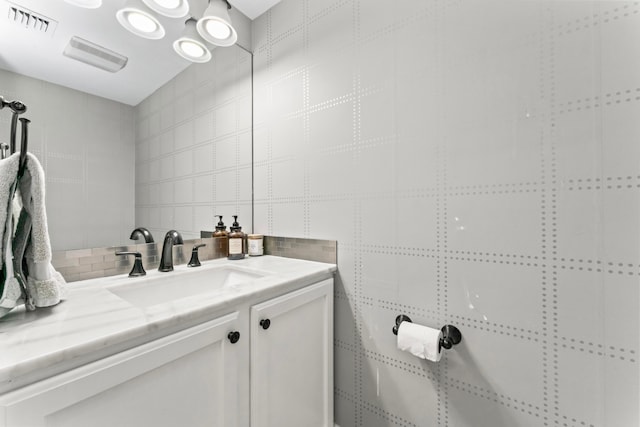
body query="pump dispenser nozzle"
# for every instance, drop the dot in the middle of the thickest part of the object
(235, 226)
(220, 226)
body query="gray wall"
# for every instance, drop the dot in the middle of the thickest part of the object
(86, 147)
(477, 162)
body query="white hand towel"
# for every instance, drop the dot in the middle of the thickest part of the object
(10, 290)
(44, 283)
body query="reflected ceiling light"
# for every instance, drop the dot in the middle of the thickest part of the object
(215, 24)
(140, 21)
(190, 45)
(169, 8)
(89, 4)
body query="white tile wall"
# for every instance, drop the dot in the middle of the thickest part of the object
(477, 161)
(86, 147)
(194, 139)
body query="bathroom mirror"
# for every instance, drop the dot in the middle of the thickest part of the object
(172, 161)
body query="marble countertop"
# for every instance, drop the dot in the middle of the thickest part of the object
(93, 323)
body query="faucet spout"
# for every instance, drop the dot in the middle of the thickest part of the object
(141, 232)
(166, 261)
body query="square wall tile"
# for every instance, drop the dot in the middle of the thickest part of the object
(578, 218)
(377, 222)
(331, 34)
(394, 393)
(203, 158)
(226, 152)
(287, 138)
(581, 386)
(288, 179)
(375, 169)
(288, 219)
(332, 78)
(287, 54)
(621, 227)
(378, 115)
(497, 293)
(225, 187)
(578, 142)
(503, 223)
(327, 220)
(288, 95)
(620, 65)
(592, 306)
(400, 279)
(496, 153)
(619, 131)
(517, 373)
(331, 127)
(328, 174)
(576, 65)
(468, 408)
(418, 224)
(183, 135)
(225, 120)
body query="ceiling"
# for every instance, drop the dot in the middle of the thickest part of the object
(151, 62)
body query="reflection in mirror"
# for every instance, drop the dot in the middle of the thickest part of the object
(193, 148)
(173, 161)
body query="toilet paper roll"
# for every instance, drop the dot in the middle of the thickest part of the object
(421, 341)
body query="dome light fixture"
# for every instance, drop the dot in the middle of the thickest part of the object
(169, 8)
(87, 4)
(190, 45)
(137, 19)
(215, 25)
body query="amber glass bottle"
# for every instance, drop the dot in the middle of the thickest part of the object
(236, 240)
(221, 231)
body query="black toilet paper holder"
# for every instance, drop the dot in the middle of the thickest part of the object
(450, 334)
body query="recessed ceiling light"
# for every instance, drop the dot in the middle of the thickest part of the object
(135, 18)
(142, 22)
(169, 8)
(215, 25)
(217, 29)
(191, 46)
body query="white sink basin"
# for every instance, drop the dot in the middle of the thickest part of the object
(167, 287)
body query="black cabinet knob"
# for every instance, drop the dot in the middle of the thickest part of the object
(265, 323)
(234, 337)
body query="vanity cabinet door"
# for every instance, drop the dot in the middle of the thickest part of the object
(186, 379)
(292, 359)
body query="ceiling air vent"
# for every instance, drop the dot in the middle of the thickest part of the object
(31, 20)
(93, 54)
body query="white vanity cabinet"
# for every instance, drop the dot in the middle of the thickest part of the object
(190, 378)
(292, 359)
(280, 375)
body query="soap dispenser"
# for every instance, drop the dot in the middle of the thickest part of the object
(236, 240)
(221, 231)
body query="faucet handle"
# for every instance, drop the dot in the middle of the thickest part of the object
(138, 269)
(195, 262)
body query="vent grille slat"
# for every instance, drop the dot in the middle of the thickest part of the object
(30, 20)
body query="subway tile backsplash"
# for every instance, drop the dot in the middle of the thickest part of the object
(300, 248)
(82, 264)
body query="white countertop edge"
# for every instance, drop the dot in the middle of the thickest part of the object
(132, 325)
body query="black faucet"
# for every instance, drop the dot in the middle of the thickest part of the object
(141, 232)
(166, 261)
